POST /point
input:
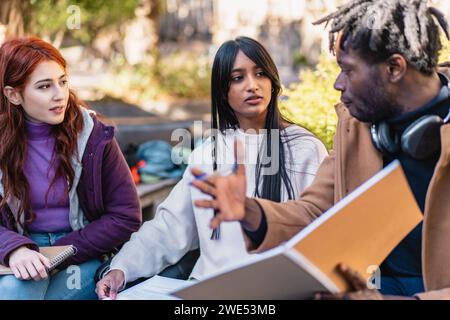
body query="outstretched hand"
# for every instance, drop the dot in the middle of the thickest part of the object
(228, 192)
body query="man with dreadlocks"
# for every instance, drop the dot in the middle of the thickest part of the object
(392, 94)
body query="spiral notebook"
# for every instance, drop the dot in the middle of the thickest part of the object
(57, 255)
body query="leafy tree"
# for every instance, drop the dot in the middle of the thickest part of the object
(49, 17)
(310, 102)
(11, 15)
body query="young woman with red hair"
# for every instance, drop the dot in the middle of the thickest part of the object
(63, 179)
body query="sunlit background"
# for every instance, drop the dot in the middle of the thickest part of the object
(156, 54)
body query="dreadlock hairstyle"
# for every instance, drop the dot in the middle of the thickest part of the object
(376, 29)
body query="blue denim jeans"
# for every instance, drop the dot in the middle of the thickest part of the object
(72, 283)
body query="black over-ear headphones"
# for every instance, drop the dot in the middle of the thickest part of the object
(419, 141)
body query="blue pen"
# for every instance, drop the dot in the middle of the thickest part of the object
(203, 176)
(216, 232)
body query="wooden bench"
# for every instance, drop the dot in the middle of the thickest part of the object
(152, 194)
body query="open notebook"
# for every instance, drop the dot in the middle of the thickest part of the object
(56, 255)
(360, 231)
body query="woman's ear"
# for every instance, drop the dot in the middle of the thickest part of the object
(396, 67)
(13, 95)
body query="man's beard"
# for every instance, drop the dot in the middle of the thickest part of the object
(376, 104)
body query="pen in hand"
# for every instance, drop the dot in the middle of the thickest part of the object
(215, 235)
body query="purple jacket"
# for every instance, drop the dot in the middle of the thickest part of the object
(107, 196)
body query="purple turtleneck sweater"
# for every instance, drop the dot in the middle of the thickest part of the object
(53, 217)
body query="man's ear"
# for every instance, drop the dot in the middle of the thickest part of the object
(13, 95)
(396, 67)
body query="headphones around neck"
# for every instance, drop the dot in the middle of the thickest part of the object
(420, 140)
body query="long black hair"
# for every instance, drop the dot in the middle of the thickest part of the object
(223, 116)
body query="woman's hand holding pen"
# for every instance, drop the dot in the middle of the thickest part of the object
(228, 192)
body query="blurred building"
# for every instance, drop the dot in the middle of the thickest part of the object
(283, 26)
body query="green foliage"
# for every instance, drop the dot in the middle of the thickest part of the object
(310, 103)
(184, 75)
(48, 17)
(299, 60)
(131, 83)
(176, 75)
(445, 53)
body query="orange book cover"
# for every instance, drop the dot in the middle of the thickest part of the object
(360, 231)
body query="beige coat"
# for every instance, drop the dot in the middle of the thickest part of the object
(353, 161)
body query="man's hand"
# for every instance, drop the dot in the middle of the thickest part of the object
(228, 192)
(28, 264)
(110, 285)
(358, 289)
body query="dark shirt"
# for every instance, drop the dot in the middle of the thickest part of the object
(405, 259)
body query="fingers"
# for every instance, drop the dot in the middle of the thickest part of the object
(45, 260)
(207, 204)
(41, 272)
(107, 288)
(200, 175)
(113, 289)
(109, 285)
(35, 267)
(210, 180)
(102, 289)
(16, 272)
(205, 187)
(27, 264)
(197, 172)
(32, 271)
(215, 222)
(23, 273)
(356, 281)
